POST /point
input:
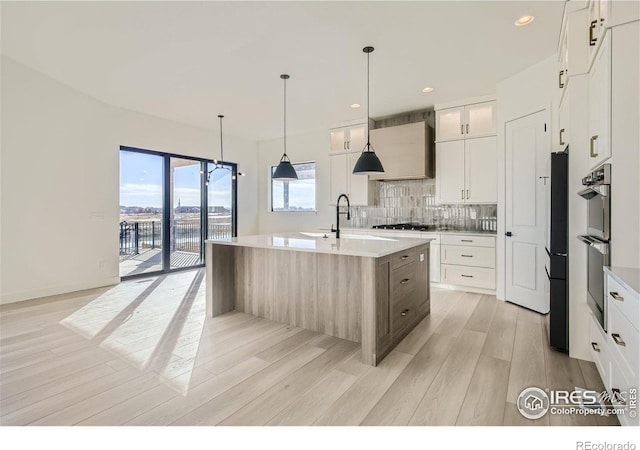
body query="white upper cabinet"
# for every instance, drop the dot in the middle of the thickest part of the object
(573, 48)
(348, 139)
(600, 105)
(468, 121)
(598, 11)
(450, 124)
(481, 171)
(604, 14)
(450, 172)
(480, 119)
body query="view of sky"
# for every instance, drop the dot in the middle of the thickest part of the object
(141, 183)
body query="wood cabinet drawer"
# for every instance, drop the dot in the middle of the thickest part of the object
(461, 239)
(405, 314)
(403, 282)
(623, 340)
(626, 301)
(468, 256)
(480, 277)
(402, 258)
(598, 348)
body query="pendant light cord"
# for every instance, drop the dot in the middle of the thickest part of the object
(285, 118)
(221, 146)
(368, 104)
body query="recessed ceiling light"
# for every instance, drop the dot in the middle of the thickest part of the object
(427, 90)
(355, 105)
(524, 20)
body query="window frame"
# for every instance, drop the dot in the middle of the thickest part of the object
(315, 197)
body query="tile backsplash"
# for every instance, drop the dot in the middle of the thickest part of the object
(414, 201)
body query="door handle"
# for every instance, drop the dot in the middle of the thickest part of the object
(592, 152)
(561, 137)
(404, 312)
(508, 234)
(595, 347)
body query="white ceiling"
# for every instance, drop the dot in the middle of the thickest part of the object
(190, 61)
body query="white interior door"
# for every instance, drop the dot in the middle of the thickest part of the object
(527, 148)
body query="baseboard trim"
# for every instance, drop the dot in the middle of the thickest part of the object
(56, 290)
(464, 288)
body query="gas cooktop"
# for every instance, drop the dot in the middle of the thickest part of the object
(410, 226)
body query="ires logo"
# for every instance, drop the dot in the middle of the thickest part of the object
(534, 402)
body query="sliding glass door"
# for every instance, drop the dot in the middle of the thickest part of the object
(169, 205)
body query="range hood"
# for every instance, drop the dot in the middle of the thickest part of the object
(406, 151)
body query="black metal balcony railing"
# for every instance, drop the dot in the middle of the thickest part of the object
(185, 236)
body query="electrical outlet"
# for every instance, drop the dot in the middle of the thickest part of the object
(473, 215)
(421, 257)
(446, 214)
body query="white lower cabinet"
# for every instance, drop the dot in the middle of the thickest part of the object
(599, 349)
(468, 261)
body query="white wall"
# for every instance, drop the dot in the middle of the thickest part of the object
(311, 146)
(60, 181)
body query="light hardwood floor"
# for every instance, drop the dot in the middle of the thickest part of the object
(143, 353)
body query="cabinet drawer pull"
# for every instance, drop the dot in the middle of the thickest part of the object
(467, 256)
(404, 312)
(405, 281)
(562, 137)
(560, 83)
(467, 276)
(592, 152)
(461, 129)
(595, 347)
(618, 340)
(617, 396)
(617, 296)
(466, 240)
(404, 257)
(592, 38)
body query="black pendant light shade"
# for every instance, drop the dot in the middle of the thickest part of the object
(368, 163)
(285, 171)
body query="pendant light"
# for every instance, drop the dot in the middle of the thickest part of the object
(219, 164)
(368, 162)
(285, 171)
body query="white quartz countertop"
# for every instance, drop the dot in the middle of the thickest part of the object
(315, 242)
(627, 276)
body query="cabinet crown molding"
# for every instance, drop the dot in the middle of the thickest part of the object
(465, 102)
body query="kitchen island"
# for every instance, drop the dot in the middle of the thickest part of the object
(368, 289)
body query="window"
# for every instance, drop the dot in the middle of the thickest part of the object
(299, 195)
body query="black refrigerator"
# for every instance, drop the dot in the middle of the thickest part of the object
(557, 252)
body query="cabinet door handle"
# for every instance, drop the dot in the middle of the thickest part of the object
(468, 194)
(618, 340)
(344, 145)
(461, 194)
(348, 145)
(617, 296)
(592, 38)
(561, 136)
(404, 312)
(560, 83)
(592, 151)
(595, 347)
(405, 281)
(467, 256)
(467, 128)
(467, 276)
(461, 129)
